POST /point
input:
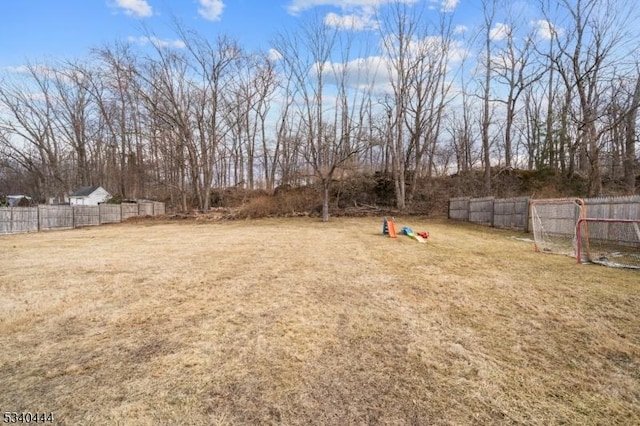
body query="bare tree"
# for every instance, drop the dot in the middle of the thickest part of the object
(585, 52)
(116, 90)
(213, 63)
(631, 138)
(489, 11)
(428, 98)
(73, 117)
(249, 102)
(306, 58)
(399, 30)
(29, 137)
(264, 84)
(510, 65)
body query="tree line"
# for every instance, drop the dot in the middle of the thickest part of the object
(412, 96)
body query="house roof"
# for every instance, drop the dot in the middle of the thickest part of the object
(85, 191)
(15, 199)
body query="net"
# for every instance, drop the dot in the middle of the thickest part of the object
(554, 223)
(610, 242)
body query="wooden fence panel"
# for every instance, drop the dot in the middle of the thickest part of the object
(158, 209)
(86, 216)
(110, 213)
(145, 209)
(45, 217)
(514, 213)
(128, 210)
(24, 219)
(5, 220)
(627, 207)
(481, 211)
(55, 217)
(511, 213)
(613, 207)
(559, 217)
(459, 208)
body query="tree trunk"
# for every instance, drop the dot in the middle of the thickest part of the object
(486, 117)
(325, 199)
(630, 142)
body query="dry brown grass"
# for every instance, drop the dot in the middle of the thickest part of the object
(299, 322)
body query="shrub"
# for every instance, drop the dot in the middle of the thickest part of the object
(284, 202)
(233, 197)
(118, 199)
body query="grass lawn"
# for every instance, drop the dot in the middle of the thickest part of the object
(299, 322)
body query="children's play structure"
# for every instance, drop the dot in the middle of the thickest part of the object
(389, 228)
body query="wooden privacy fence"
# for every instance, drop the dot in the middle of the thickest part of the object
(613, 207)
(111, 213)
(43, 218)
(459, 208)
(513, 213)
(18, 219)
(481, 211)
(55, 217)
(508, 213)
(129, 211)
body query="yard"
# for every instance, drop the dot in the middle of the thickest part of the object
(299, 322)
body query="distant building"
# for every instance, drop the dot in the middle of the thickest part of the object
(58, 200)
(14, 200)
(89, 196)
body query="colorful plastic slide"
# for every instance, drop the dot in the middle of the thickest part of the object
(389, 227)
(409, 232)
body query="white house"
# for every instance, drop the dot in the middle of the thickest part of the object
(89, 196)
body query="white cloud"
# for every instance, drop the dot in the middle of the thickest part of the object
(211, 10)
(297, 6)
(434, 46)
(545, 29)
(503, 61)
(20, 69)
(37, 69)
(144, 40)
(139, 8)
(446, 6)
(499, 32)
(377, 72)
(458, 52)
(357, 15)
(460, 29)
(449, 5)
(355, 22)
(274, 55)
(363, 73)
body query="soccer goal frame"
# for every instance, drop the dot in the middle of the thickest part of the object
(554, 223)
(610, 242)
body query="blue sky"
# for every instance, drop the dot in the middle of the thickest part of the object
(41, 30)
(51, 29)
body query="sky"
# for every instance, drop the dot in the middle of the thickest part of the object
(42, 30)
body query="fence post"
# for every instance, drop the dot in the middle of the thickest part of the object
(526, 216)
(493, 213)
